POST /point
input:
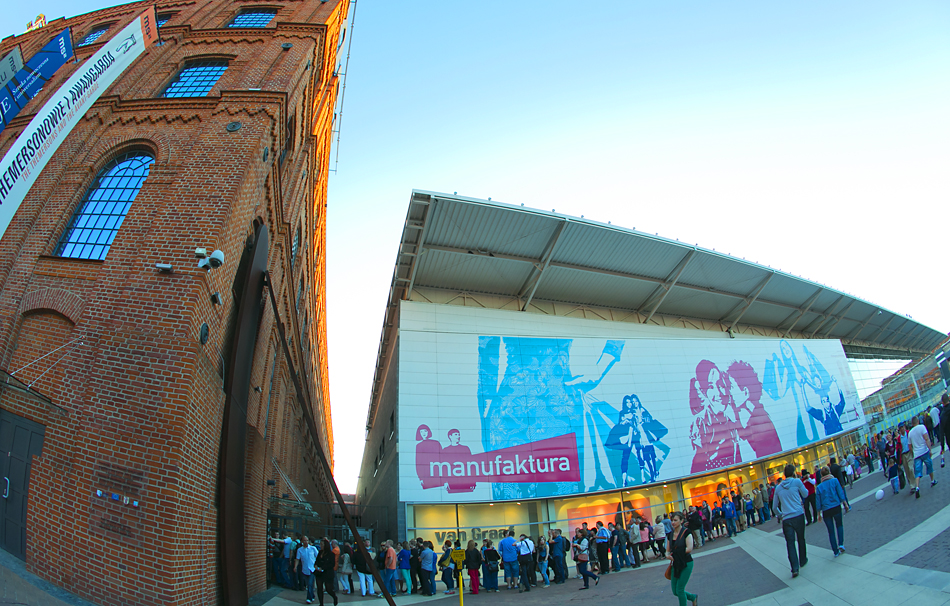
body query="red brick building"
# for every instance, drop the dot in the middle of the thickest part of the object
(114, 429)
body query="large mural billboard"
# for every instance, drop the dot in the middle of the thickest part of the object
(523, 417)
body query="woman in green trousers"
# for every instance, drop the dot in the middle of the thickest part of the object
(680, 546)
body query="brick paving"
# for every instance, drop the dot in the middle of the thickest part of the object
(932, 555)
(872, 523)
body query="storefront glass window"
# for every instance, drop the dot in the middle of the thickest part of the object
(649, 503)
(491, 520)
(709, 488)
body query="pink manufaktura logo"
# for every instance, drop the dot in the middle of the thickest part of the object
(550, 460)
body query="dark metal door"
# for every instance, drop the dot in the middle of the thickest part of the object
(20, 440)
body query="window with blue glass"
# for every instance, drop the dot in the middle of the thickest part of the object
(196, 79)
(103, 208)
(163, 19)
(254, 18)
(93, 35)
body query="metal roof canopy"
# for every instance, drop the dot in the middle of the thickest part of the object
(459, 244)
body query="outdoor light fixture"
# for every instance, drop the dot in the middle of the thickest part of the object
(165, 268)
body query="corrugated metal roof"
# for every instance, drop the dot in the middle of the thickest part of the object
(460, 244)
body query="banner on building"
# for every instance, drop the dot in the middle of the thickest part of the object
(26, 159)
(11, 63)
(497, 417)
(27, 80)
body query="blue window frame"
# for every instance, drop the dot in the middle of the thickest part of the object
(163, 19)
(196, 79)
(103, 208)
(254, 18)
(93, 36)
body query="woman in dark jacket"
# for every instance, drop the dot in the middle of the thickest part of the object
(324, 572)
(473, 562)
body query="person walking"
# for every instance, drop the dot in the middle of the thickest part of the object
(326, 561)
(920, 442)
(810, 504)
(831, 499)
(582, 558)
(680, 547)
(788, 497)
(307, 560)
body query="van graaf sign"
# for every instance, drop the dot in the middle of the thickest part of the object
(26, 159)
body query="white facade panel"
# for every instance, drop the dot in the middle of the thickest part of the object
(518, 406)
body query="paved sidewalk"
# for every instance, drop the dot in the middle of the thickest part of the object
(898, 553)
(22, 588)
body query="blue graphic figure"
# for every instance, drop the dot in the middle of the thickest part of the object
(637, 431)
(527, 393)
(787, 373)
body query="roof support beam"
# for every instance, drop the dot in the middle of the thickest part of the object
(838, 319)
(748, 301)
(594, 270)
(420, 248)
(801, 313)
(883, 328)
(907, 336)
(864, 324)
(897, 332)
(823, 316)
(485, 253)
(535, 279)
(669, 284)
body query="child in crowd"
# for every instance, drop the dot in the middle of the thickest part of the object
(893, 474)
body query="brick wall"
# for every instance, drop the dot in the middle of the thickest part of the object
(139, 404)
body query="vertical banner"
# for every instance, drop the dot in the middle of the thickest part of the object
(24, 162)
(11, 63)
(27, 80)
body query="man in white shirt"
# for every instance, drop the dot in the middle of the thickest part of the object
(307, 557)
(920, 442)
(525, 560)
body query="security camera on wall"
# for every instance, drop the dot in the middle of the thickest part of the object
(208, 262)
(216, 259)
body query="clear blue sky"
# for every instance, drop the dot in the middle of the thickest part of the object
(808, 137)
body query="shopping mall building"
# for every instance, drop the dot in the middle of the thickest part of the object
(537, 370)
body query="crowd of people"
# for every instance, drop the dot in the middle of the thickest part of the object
(525, 563)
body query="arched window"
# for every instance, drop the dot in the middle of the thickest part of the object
(103, 208)
(295, 247)
(254, 18)
(196, 79)
(93, 35)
